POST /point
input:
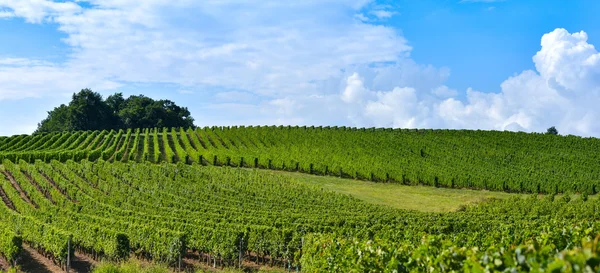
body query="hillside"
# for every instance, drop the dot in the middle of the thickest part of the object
(183, 215)
(491, 160)
(78, 198)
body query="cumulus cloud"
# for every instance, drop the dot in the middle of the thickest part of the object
(569, 60)
(562, 93)
(355, 90)
(397, 108)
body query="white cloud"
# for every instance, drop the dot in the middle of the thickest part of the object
(6, 14)
(397, 108)
(19, 62)
(35, 11)
(355, 90)
(382, 14)
(285, 106)
(562, 94)
(443, 91)
(417, 97)
(265, 47)
(23, 78)
(569, 60)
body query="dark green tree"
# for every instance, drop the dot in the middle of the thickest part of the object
(552, 131)
(115, 102)
(135, 112)
(57, 120)
(143, 112)
(88, 111)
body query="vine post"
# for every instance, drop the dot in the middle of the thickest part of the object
(301, 246)
(68, 265)
(240, 252)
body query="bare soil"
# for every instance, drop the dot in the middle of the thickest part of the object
(33, 262)
(4, 265)
(6, 200)
(17, 187)
(82, 263)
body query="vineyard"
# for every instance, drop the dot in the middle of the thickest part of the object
(221, 215)
(163, 212)
(491, 160)
(178, 195)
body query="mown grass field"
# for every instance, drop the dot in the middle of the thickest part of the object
(419, 198)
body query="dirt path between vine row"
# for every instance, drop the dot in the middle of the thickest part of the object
(45, 192)
(59, 189)
(17, 187)
(4, 265)
(6, 200)
(33, 262)
(82, 263)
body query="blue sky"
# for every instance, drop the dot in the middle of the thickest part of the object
(484, 42)
(502, 65)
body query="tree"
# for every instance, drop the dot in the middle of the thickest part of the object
(88, 111)
(552, 131)
(115, 102)
(143, 112)
(135, 112)
(57, 120)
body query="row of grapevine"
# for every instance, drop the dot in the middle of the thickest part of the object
(435, 254)
(49, 240)
(492, 160)
(10, 244)
(161, 211)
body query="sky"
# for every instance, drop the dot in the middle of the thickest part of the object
(519, 65)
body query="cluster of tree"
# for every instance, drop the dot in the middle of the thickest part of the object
(89, 111)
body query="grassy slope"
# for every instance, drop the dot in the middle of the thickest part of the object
(421, 198)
